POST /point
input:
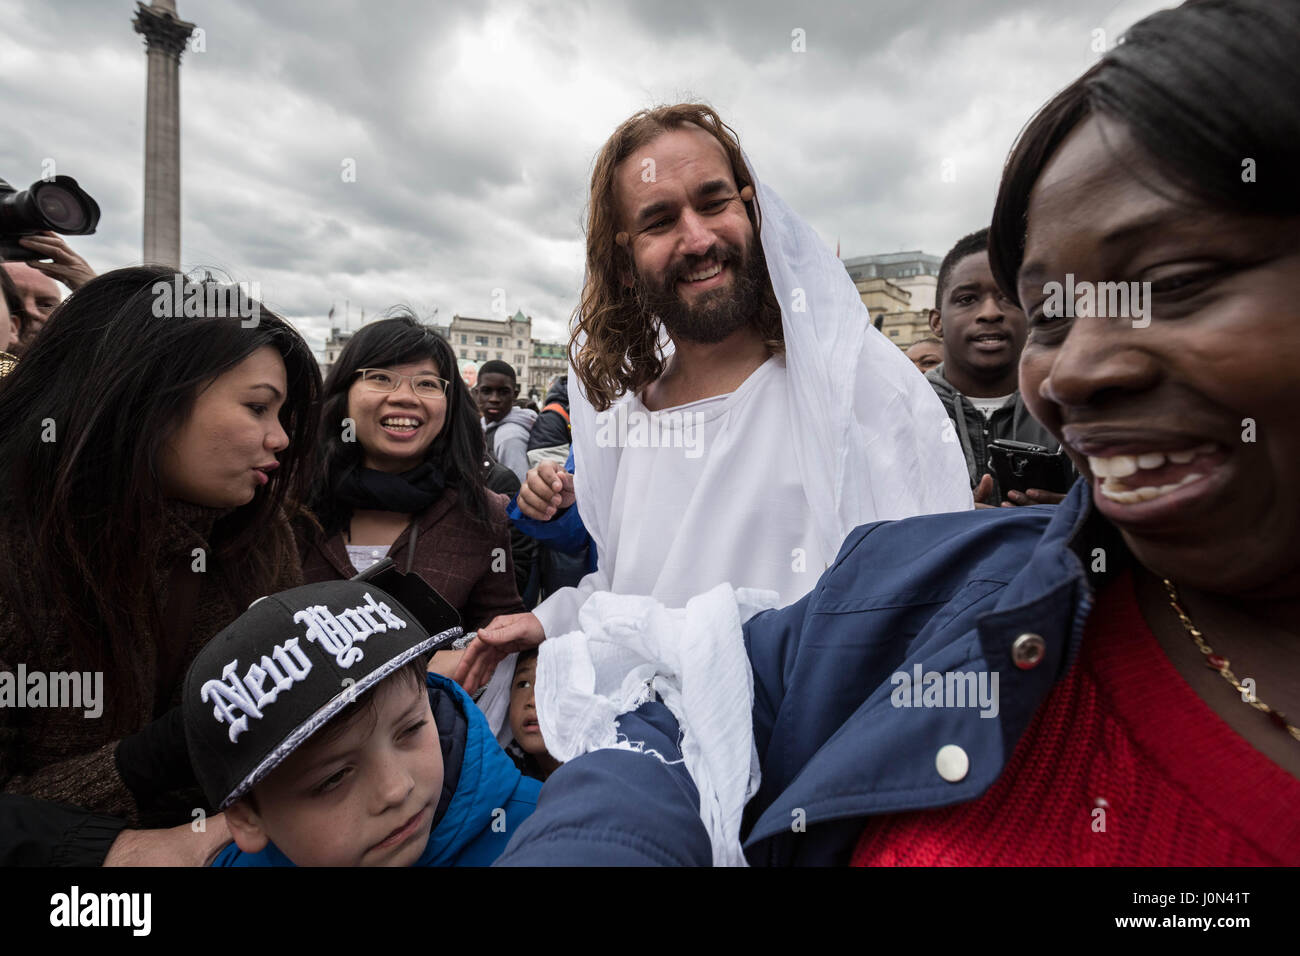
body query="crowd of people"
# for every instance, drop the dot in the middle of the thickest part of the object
(753, 585)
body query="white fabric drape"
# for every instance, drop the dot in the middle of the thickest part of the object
(627, 650)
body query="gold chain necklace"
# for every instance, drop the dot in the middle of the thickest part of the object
(1220, 664)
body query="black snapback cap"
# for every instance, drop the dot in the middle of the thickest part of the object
(285, 667)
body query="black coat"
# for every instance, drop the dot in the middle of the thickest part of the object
(40, 833)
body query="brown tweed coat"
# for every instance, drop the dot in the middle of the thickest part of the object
(472, 569)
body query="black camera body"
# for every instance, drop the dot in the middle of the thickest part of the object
(57, 204)
(1019, 466)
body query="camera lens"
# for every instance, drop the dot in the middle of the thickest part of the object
(60, 208)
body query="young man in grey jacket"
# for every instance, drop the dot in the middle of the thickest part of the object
(983, 334)
(505, 427)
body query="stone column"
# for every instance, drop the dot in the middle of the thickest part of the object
(165, 38)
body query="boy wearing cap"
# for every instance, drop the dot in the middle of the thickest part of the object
(312, 723)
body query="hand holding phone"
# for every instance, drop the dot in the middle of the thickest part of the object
(1019, 466)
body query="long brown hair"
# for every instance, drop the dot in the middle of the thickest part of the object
(621, 349)
(83, 517)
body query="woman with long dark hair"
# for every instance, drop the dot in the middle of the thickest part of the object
(148, 449)
(402, 475)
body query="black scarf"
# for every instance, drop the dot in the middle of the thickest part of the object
(410, 492)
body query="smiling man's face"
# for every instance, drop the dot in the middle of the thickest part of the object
(698, 265)
(983, 332)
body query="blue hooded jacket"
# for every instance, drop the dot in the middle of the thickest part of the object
(948, 593)
(479, 781)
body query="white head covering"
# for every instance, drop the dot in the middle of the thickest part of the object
(872, 440)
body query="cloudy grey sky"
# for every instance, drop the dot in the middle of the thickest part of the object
(472, 127)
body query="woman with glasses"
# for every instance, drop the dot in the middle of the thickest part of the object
(402, 476)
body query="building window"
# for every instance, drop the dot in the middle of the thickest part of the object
(464, 339)
(893, 333)
(519, 343)
(519, 360)
(498, 341)
(480, 356)
(463, 353)
(498, 355)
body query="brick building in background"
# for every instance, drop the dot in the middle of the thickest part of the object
(898, 290)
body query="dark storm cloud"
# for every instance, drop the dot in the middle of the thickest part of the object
(472, 128)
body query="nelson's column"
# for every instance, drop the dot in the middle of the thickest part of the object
(165, 37)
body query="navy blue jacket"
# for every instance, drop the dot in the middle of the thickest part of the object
(949, 593)
(479, 782)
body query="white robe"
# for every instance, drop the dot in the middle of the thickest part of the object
(847, 433)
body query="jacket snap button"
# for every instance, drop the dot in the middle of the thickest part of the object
(1028, 650)
(952, 763)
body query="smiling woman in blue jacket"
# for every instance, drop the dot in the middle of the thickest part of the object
(1112, 681)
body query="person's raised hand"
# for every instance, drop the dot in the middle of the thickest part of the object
(177, 846)
(65, 265)
(506, 634)
(546, 489)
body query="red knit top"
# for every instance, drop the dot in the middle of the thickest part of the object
(1122, 765)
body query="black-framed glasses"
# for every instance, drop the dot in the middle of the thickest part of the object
(385, 380)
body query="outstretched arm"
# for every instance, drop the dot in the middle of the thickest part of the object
(633, 806)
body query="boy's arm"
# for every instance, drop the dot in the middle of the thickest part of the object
(627, 807)
(565, 532)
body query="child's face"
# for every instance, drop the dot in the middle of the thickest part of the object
(363, 797)
(523, 708)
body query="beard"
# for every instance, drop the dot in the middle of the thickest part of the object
(715, 314)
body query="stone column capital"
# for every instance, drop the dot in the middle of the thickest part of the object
(162, 29)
